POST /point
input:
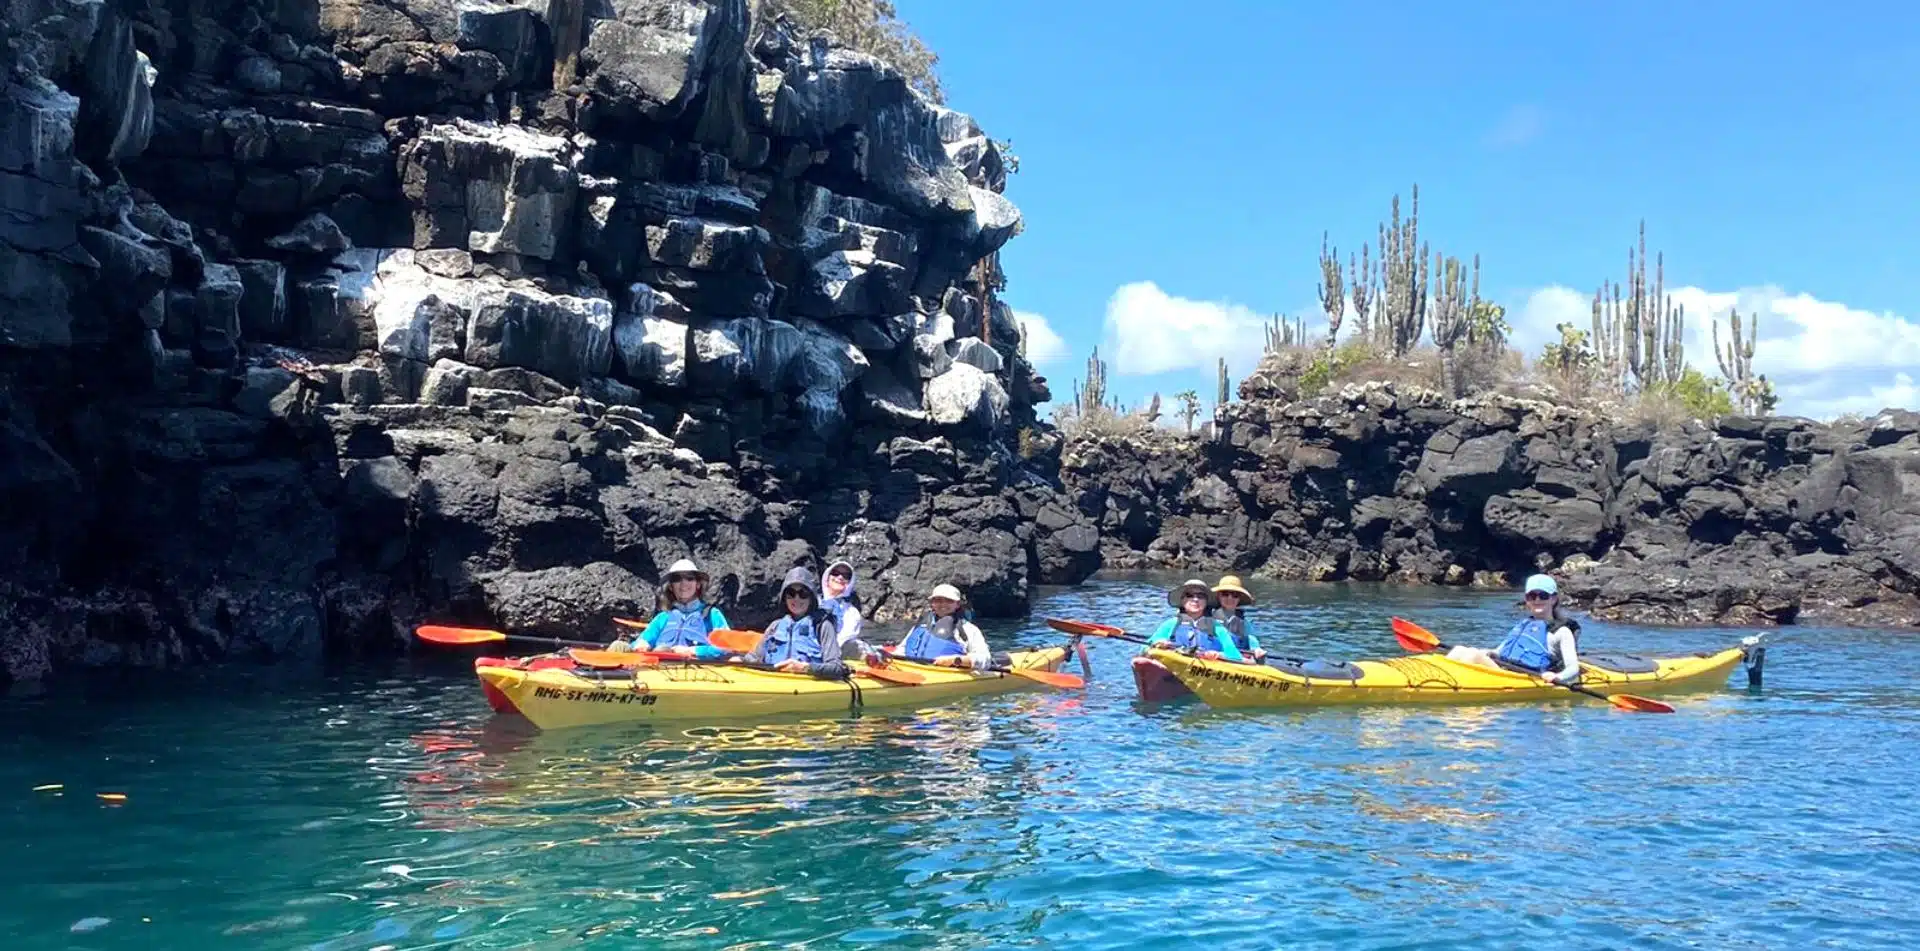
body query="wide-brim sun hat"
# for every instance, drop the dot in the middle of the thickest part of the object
(685, 566)
(1175, 596)
(946, 591)
(1230, 584)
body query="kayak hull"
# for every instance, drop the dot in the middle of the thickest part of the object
(1156, 683)
(1432, 679)
(555, 699)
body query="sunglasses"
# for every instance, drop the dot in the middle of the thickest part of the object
(796, 593)
(839, 574)
(676, 579)
(1539, 596)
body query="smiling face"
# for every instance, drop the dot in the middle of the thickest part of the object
(836, 582)
(1540, 604)
(1229, 600)
(1193, 601)
(796, 600)
(684, 587)
(942, 607)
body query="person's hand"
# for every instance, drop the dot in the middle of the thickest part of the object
(792, 666)
(683, 650)
(1552, 677)
(951, 660)
(1208, 655)
(876, 659)
(1260, 656)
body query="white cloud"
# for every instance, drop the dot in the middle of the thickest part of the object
(1151, 331)
(1044, 345)
(1521, 125)
(1823, 357)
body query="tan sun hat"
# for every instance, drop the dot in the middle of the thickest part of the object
(947, 591)
(1173, 596)
(1230, 584)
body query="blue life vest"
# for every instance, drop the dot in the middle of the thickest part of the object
(1189, 635)
(1525, 645)
(793, 638)
(1236, 625)
(929, 641)
(687, 626)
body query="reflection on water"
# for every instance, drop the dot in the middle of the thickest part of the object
(361, 809)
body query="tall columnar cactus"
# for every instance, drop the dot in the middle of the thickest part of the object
(1333, 297)
(1736, 366)
(1283, 333)
(1364, 293)
(1090, 399)
(1454, 305)
(1221, 399)
(1642, 333)
(1403, 277)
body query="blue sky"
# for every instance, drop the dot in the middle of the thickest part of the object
(1772, 147)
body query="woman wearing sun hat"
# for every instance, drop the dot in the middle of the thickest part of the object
(1234, 600)
(682, 619)
(944, 635)
(1192, 628)
(1540, 642)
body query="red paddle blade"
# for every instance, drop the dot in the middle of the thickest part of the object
(1084, 628)
(1627, 701)
(890, 674)
(731, 640)
(441, 634)
(1049, 677)
(607, 660)
(1413, 637)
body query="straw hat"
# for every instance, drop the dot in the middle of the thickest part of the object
(1231, 583)
(1174, 596)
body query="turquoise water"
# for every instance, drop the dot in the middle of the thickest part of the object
(388, 808)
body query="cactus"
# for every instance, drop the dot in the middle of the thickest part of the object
(1091, 399)
(1755, 394)
(1640, 334)
(1221, 400)
(1364, 293)
(1189, 407)
(1403, 277)
(1453, 308)
(1282, 333)
(1333, 297)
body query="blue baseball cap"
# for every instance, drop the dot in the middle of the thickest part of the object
(1542, 583)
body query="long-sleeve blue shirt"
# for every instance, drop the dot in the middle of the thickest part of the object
(1204, 626)
(651, 635)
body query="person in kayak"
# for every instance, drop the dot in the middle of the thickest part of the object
(841, 602)
(805, 639)
(1192, 628)
(682, 619)
(946, 636)
(1232, 614)
(1540, 642)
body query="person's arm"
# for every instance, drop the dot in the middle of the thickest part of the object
(1161, 635)
(1561, 642)
(979, 655)
(830, 667)
(715, 622)
(1253, 640)
(644, 640)
(852, 645)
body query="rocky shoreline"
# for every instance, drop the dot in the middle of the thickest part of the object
(1747, 521)
(321, 320)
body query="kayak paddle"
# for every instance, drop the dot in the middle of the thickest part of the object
(1090, 629)
(1049, 677)
(1419, 640)
(461, 636)
(621, 659)
(727, 639)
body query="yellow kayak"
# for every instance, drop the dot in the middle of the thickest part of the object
(557, 698)
(1432, 678)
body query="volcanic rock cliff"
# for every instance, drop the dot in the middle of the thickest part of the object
(1745, 521)
(321, 317)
